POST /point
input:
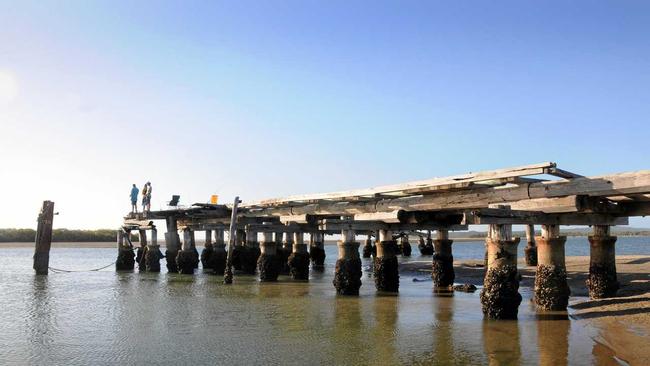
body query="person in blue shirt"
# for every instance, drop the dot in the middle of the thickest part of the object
(134, 199)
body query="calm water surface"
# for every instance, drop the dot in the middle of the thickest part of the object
(96, 318)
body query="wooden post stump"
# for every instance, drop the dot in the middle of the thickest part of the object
(43, 240)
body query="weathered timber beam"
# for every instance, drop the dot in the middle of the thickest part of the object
(387, 217)
(337, 225)
(634, 208)
(504, 216)
(609, 185)
(277, 228)
(533, 169)
(547, 205)
(561, 173)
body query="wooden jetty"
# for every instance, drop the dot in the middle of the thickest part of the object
(537, 194)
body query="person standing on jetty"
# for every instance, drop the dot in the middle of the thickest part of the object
(134, 199)
(146, 197)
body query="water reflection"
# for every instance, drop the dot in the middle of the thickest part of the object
(385, 331)
(501, 342)
(41, 319)
(443, 342)
(553, 338)
(349, 331)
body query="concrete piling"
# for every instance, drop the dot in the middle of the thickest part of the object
(299, 259)
(426, 247)
(405, 246)
(218, 260)
(442, 267)
(187, 258)
(285, 248)
(250, 253)
(367, 247)
(125, 256)
(206, 253)
(530, 252)
(347, 275)
(551, 287)
(317, 249)
(153, 254)
(238, 249)
(173, 244)
(386, 268)
(500, 296)
(602, 281)
(142, 250)
(268, 263)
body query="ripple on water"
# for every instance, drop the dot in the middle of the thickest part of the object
(105, 317)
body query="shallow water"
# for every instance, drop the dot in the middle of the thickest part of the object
(105, 317)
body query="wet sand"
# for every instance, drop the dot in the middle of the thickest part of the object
(623, 321)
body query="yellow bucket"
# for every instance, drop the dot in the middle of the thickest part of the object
(214, 199)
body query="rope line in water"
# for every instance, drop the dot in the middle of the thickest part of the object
(83, 270)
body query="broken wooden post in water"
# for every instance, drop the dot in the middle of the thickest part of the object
(551, 287)
(442, 267)
(530, 251)
(347, 274)
(298, 261)
(602, 281)
(43, 240)
(142, 250)
(500, 296)
(232, 240)
(386, 268)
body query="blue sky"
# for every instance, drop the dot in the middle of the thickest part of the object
(270, 98)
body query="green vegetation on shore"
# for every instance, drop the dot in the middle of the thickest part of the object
(60, 235)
